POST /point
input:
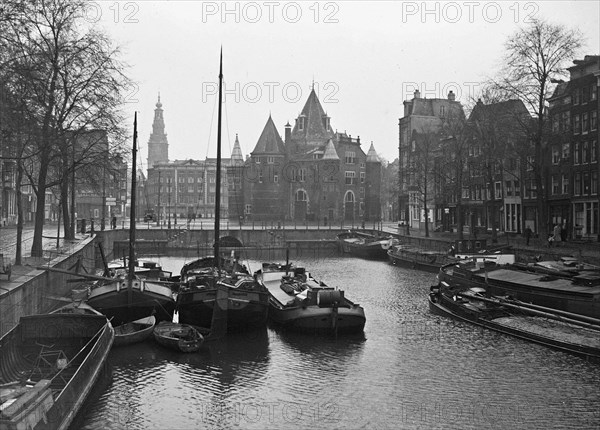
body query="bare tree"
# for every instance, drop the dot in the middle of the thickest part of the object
(535, 56)
(72, 80)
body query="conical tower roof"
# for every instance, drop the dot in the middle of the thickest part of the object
(270, 141)
(236, 153)
(330, 152)
(312, 125)
(372, 156)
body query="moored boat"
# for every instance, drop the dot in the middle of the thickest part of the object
(48, 365)
(247, 302)
(300, 302)
(539, 325)
(364, 245)
(128, 298)
(180, 337)
(576, 291)
(135, 331)
(431, 261)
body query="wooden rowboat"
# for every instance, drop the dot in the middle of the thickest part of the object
(135, 331)
(180, 337)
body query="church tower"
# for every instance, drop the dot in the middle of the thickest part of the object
(158, 146)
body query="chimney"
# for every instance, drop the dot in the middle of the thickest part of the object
(288, 133)
(451, 96)
(417, 94)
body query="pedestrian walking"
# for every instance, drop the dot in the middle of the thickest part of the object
(557, 234)
(527, 235)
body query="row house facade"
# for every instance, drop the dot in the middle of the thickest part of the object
(424, 120)
(498, 166)
(313, 174)
(573, 150)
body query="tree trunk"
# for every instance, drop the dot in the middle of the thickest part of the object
(19, 244)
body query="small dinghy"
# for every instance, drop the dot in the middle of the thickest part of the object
(135, 331)
(180, 337)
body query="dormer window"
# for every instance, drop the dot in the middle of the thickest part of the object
(301, 123)
(326, 122)
(442, 111)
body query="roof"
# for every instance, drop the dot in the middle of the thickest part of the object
(314, 130)
(270, 141)
(236, 152)
(330, 152)
(372, 155)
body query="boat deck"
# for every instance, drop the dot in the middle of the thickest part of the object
(505, 276)
(272, 281)
(553, 329)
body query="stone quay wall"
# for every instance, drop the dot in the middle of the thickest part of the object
(38, 291)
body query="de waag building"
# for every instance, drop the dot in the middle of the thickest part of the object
(313, 174)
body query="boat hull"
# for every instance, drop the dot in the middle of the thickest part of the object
(135, 331)
(320, 309)
(245, 310)
(121, 305)
(315, 319)
(82, 341)
(179, 337)
(537, 288)
(429, 263)
(498, 321)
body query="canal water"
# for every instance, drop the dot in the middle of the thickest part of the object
(409, 370)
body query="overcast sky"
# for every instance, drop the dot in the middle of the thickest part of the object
(365, 58)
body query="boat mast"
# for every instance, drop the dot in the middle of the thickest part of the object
(218, 177)
(132, 209)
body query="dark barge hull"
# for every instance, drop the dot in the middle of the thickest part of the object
(245, 310)
(442, 305)
(83, 340)
(530, 287)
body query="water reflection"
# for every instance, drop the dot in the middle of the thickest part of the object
(410, 369)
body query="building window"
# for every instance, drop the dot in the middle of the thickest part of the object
(362, 177)
(301, 196)
(594, 188)
(577, 96)
(260, 176)
(362, 191)
(555, 187)
(584, 122)
(530, 162)
(301, 123)
(577, 184)
(517, 189)
(442, 111)
(586, 183)
(302, 175)
(350, 157)
(555, 155)
(498, 190)
(565, 184)
(565, 121)
(594, 151)
(509, 188)
(594, 120)
(270, 160)
(181, 180)
(276, 178)
(594, 95)
(576, 124)
(585, 153)
(576, 154)
(248, 209)
(350, 177)
(565, 151)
